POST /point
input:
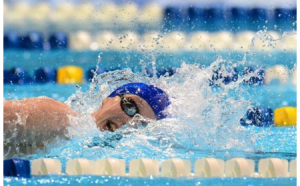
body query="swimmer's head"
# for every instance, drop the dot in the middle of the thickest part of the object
(129, 100)
(156, 98)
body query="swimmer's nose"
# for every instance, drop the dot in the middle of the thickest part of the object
(111, 110)
(112, 105)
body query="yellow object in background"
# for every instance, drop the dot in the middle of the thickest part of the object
(69, 75)
(285, 116)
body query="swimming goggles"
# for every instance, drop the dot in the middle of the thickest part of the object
(128, 106)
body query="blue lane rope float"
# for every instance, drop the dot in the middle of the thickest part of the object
(45, 75)
(58, 40)
(11, 40)
(160, 72)
(259, 116)
(258, 18)
(6, 76)
(231, 75)
(195, 14)
(16, 168)
(239, 18)
(257, 79)
(32, 41)
(173, 18)
(18, 76)
(214, 19)
(91, 71)
(284, 18)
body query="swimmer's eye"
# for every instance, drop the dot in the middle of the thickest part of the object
(129, 106)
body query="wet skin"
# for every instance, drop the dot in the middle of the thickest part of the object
(40, 120)
(49, 118)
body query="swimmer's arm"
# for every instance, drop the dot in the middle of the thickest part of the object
(42, 117)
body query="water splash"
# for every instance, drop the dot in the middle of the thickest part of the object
(202, 117)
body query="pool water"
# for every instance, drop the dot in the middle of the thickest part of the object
(111, 180)
(31, 60)
(204, 122)
(278, 95)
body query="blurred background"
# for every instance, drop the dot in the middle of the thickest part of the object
(102, 25)
(40, 37)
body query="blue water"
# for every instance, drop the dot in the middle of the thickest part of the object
(31, 60)
(278, 95)
(111, 180)
(279, 142)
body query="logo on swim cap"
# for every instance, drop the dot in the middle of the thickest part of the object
(155, 97)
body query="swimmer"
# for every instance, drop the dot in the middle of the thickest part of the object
(46, 118)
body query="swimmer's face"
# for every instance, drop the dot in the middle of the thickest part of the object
(110, 116)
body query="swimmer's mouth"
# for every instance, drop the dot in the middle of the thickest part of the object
(112, 127)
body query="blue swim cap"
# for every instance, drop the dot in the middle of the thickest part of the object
(155, 97)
